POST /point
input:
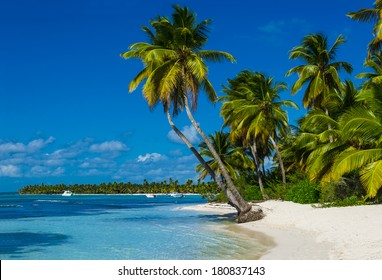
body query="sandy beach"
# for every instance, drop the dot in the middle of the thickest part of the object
(303, 232)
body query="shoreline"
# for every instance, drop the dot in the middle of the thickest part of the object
(303, 232)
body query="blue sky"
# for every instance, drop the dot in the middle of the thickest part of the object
(65, 114)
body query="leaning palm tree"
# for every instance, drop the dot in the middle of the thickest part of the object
(371, 15)
(174, 72)
(320, 71)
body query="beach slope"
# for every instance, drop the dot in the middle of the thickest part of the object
(304, 232)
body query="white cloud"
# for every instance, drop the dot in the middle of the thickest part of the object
(38, 144)
(9, 171)
(12, 148)
(43, 171)
(189, 132)
(176, 153)
(97, 162)
(108, 146)
(153, 157)
(190, 158)
(72, 151)
(32, 146)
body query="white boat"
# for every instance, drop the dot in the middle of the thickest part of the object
(150, 195)
(176, 194)
(67, 193)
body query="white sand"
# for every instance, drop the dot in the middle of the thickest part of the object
(303, 232)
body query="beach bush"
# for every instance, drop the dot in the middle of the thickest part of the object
(303, 192)
(349, 186)
(277, 191)
(348, 201)
(220, 197)
(328, 193)
(252, 193)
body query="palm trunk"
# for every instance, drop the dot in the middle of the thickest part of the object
(257, 163)
(190, 146)
(243, 208)
(220, 183)
(329, 126)
(279, 159)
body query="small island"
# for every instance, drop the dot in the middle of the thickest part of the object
(206, 189)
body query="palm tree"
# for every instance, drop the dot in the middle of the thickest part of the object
(363, 125)
(320, 138)
(233, 157)
(175, 70)
(253, 110)
(371, 15)
(320, 71)
(375, 63)
(357, 146)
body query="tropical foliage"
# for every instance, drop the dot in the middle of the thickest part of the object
(254, 112)
(332, 155)
(371, 15)
(335, 146)
(174, 72)
(165, 187)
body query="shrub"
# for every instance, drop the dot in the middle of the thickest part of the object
(303, 192)
(220, 197)
(349, 201)
(252, 193)
(277, 191)
(328, 193)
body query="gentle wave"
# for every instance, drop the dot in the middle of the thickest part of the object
(10, 206)
(52, 200)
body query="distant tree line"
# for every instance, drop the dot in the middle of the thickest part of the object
(203, 188)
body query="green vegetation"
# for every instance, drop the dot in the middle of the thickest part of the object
(207, 189)
(303, 192)
(174, 72)
(332, 156)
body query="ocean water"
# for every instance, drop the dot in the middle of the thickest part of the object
(115, 227)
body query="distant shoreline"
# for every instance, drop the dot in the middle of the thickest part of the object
(122, 194)
(75, 194)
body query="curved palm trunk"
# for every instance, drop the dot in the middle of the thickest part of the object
(281, 163)
(219, 182)
(259, 174)
(245, 213)
(190, 146)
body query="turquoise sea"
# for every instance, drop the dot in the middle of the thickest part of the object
(114, 227)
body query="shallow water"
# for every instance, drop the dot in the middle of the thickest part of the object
(108, 227)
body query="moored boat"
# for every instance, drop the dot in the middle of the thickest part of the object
(176, 194)
(67, 193)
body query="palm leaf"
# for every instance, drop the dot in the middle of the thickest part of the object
(371, 178)
(352, 159)
(215, 56)
(364, 15)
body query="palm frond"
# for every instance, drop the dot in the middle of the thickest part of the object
(352, 159)
(215, 56)
(364, 15)
(371, 178)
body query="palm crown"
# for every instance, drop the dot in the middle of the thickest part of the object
(320, 71)
(373, 15)
(175, 64)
